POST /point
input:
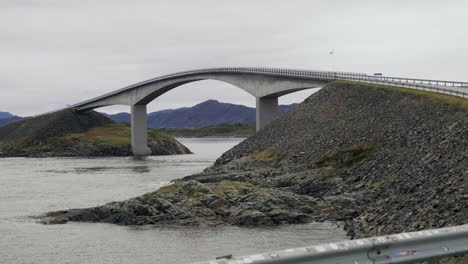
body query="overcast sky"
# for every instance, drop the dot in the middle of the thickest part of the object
(56, 52)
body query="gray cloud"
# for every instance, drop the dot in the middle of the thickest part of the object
(57, 52)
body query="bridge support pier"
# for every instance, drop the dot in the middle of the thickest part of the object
(139, 131)
(266, 111)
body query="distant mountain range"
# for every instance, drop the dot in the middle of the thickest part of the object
(6, 118)
(208, 113)
(4, 115)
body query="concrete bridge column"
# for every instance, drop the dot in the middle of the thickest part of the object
(267, 110)
(139, 131)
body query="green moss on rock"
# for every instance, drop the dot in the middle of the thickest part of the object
(347, 157)
(108, 140)
(190, 189)
(270, 156)
(426, 97)
(195, 189)
(116, 134)
(224, 188)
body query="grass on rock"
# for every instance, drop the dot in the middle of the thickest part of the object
(113, 135)
(347, 157)
(427, 96)
(196, 190)
(266, 156)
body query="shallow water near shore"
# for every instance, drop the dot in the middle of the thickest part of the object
(30, 187)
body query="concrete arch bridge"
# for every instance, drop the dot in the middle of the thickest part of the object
(265, 84)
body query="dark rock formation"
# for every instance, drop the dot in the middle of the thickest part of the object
(194, 203)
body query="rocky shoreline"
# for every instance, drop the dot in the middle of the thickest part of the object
(93, 150)
(380, 159)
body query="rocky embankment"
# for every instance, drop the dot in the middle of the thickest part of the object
(381, 159)
(72, 134)
(387, 159)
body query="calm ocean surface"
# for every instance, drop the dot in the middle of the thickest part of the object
(31, 187)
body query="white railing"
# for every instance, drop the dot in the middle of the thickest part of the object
(399, 248)
(447, 87)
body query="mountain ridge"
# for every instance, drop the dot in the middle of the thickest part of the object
(207, 113)
(6, 121)
(4, 115)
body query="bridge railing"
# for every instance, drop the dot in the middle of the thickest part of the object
(399, 248)
(447, 87)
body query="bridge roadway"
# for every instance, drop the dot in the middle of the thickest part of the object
(265, 84)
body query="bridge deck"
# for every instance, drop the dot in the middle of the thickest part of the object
(447, 87)
(450, 87)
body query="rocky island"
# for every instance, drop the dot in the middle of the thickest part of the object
(71, 134)
(380, 159)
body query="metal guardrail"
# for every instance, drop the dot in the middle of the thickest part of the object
(327, 76)
(399, 248)
(447, 87)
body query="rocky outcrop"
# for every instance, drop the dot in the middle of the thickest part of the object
(195, 203)
(52, 125)
(72, 134)
(396, 158)
(382, 159)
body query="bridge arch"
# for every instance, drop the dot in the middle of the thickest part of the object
(257, 85)
(264, 85)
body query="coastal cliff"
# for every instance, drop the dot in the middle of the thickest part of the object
(72, 134)
(380, 159)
